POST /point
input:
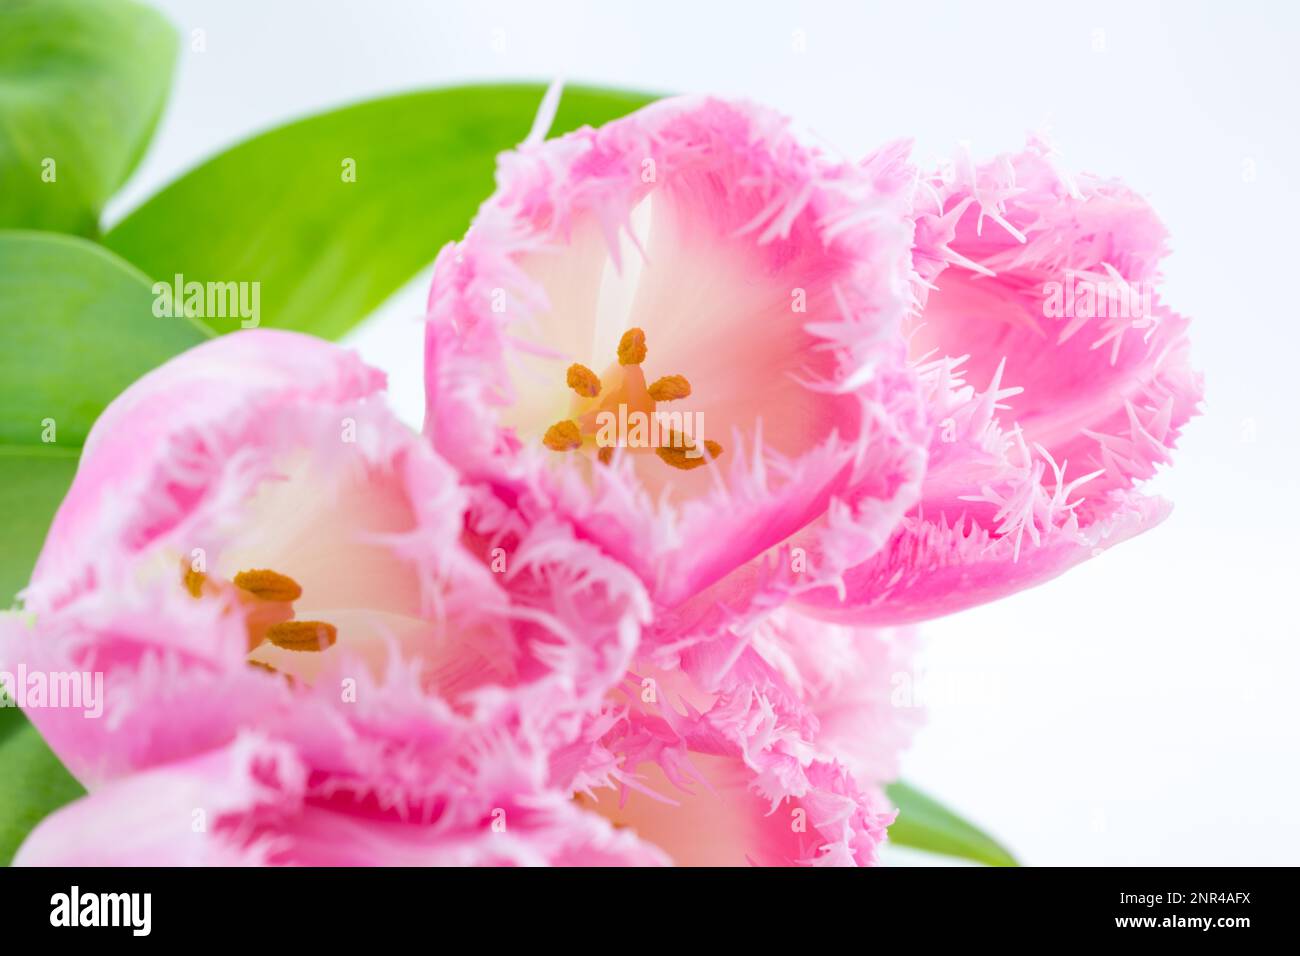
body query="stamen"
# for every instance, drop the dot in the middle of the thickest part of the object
(583, 380)
(669, 388)
(563, 436)
(268, 585)
(302, 635)
(194, 582)
(631, 347)
(675, 453)
(679, 452)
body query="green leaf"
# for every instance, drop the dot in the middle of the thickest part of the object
(82, 84)
(31, 486)
(76, 328)
(279, 209)
(33, 785)
(924, 824)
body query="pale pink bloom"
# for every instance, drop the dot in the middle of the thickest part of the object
(694, 257)
(421, 649)
(1056, 382)
(766, 751)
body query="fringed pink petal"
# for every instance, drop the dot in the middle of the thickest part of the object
(848, 678)
(210, 810)
(1056, 382)
(762, 750)
(254, 803)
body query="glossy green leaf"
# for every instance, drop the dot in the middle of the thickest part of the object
(82, 84)
(925, 824)
(33, 783)
(32, 484)
(77, 327)
(332, 214)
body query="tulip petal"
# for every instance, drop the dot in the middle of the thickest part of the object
(768, 750)
(251, 803)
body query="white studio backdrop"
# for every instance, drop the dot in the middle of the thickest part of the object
(1141, 709)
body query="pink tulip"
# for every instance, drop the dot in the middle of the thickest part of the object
(694, 258)
(1056, 382)
(317, 645)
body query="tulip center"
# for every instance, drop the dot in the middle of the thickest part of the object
(619, 410)
(266, 597)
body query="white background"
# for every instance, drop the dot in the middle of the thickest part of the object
(1142, 709)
